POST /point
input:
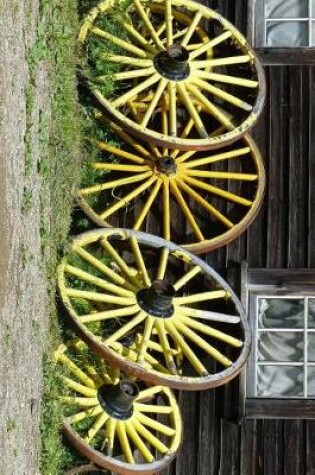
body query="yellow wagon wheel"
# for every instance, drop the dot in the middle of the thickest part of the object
(120, 289)
(118, 424)
(177, 86)
(216, 195)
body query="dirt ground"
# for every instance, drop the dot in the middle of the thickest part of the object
(23, 320)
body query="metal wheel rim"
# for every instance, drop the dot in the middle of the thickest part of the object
(145, 370)
(171, 138)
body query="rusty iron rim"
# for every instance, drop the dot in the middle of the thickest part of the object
(162, 98)
(141, 346)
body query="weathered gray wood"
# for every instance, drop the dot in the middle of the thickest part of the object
(311, 152)
(293, 458)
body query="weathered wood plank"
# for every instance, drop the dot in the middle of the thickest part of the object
(186, 463)
(273, 447)
(294, 443)
(208, 435)
(310, 444)
(230, 451)
(311, 233)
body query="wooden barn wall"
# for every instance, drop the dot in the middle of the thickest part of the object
(282, 236)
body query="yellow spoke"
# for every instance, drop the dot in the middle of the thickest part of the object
(137, 62)
(114, 183)
(125, 75)
(221, 61)
(108, 314)
(104, 35)
(153, 424)
(187, 277)
(80, 388)
(219, 192)
(96, 427)
(197, 340)
(127, 198)
(148, 24)
(188, 352)
(128, 271)
(225, 96)
(216, 158)
(224, 78)
(192, 28)
(140, 261)
(202, 202)
(80, 401)
(138, 442)
(166, 209)
(124, 442)
(163, 263)
(157, 95)
(184, 156)
(224, 175)
(211, 332)
(168, 353)
(168, 22)
(151, 408)
(149, 393)
(125, 329)
(110, 436)
(143, 346)
(76, 371)
(100, 297)
(149, 437)
(208, 46)
(104, 269)
(121, 100)
(186, 211)
(120, 167)
(131, 141)
(210, 107)
(120, 152)
(165, 124)
(80, 416)
(207, 315)
(139, 38)
(87, 277)
(192, 110)
(147, 205)
(201, 297)
(172, 108)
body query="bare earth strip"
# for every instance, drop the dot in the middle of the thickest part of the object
(23, 320)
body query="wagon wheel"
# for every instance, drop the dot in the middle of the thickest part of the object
(116, 423)
(216, 195)
(120, 291)
(178, 86)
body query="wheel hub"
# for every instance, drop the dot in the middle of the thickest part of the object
(157, 299)
(173, 63)
(167, 165)
(117, 400)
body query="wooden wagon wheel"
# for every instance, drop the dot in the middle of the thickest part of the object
(216, 195)
(178, 87)
(115, 422)
(120, 291)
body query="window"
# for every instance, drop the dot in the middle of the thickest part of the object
(280, 378)
(285, 25)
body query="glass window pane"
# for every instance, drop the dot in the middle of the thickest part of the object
(280, 346)
(311, 313)
(313, 32)
(289, 33)
(313, 8)
(286, 8)
(279, 381)
(311, 381)
(311, 347)
(281, 313)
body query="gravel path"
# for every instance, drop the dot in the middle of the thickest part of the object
(23, 320)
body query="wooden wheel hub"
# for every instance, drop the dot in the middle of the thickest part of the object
(173, 63)
(117, 400)
(167, 165)
(157, 299)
